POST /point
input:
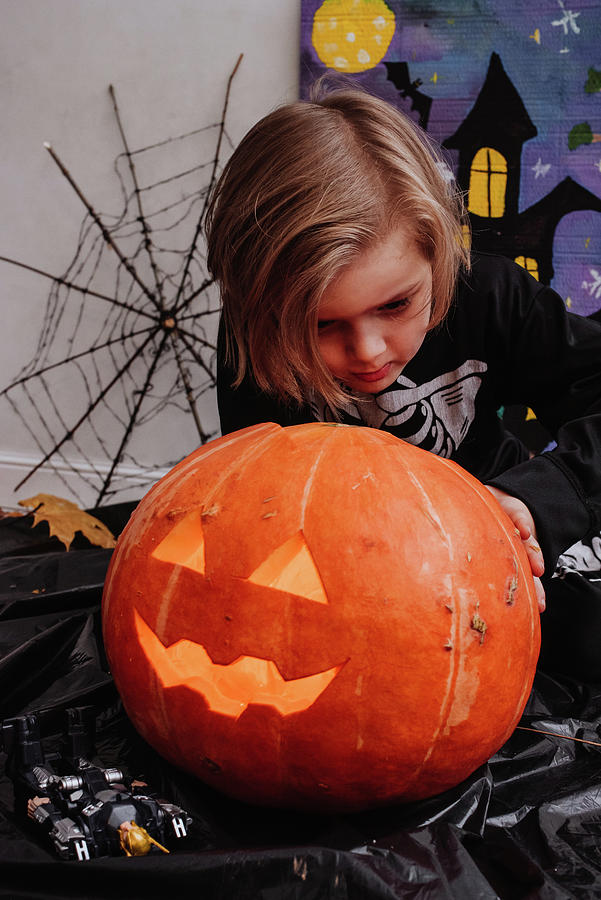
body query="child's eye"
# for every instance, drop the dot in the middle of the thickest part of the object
(324, 324)
(396, 306)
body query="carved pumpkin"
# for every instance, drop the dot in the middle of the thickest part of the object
(321, 617)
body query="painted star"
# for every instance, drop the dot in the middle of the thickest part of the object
(568, 20)
(540, 168)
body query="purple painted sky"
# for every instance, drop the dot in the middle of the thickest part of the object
(448, 46)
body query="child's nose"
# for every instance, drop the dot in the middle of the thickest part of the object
(367, 343)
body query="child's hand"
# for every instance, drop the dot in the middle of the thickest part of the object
(521, 517)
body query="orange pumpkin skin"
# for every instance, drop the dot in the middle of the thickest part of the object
(385, 584)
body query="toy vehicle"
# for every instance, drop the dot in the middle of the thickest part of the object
(84, 810)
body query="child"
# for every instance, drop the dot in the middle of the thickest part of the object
(338, 239)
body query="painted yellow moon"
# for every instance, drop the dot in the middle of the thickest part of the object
(352, 35)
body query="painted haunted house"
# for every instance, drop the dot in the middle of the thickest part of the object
(490, 141)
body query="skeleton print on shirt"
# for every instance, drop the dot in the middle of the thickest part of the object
(583, 557)
(435, 416)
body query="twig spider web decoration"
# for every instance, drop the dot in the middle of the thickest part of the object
(150, 308)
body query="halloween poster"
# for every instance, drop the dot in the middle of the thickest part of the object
(512, 92)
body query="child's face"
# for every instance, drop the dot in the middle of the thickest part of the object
(373, 318)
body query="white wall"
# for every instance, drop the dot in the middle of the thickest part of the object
(169, 61)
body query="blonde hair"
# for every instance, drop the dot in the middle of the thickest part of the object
(310, 187)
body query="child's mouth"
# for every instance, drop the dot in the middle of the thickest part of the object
(376, 375)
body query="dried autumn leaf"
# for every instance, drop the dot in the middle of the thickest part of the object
(64, 518)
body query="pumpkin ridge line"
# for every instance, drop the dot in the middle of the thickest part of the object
(503, 522)
(447, 702)
(255, 449)
(201, 455)
(309, 485)
(165, 604)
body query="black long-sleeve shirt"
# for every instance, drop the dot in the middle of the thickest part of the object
(507, 340)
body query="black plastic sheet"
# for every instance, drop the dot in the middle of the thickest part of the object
(526, 825)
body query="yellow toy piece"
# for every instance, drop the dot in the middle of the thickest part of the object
(135, 840)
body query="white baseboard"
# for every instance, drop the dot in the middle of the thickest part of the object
(61, 479)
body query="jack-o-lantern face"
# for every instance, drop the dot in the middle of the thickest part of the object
(229, 688)
(316, 617)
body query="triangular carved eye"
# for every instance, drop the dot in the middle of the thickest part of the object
(291, 568)
(184, 545)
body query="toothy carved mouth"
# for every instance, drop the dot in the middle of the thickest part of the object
(229, 689)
